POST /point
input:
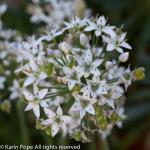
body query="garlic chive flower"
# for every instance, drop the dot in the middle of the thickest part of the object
(76, 75)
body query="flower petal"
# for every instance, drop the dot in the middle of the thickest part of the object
(90, 109)
(91, 27)
(42, 93)
(110, 47)
(36, 110)
(125, 45)
(29, 107)
(49, 113)
(43, 104)
(54, 129)
(59, 111)
(28, 95)
(28, 81)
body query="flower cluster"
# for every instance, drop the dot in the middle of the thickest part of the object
(8, 63)
(74, 79)
(56, 11)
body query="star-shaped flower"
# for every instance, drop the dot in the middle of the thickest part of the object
(35, 100)
(57, 120)
(83, 104)
(100, 26)
(116, 42)
(87, 66)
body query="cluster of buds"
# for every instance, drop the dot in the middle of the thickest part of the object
(74, 80)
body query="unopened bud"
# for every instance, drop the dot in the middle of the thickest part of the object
(65, 47)
(84, 40)
(139, 73)
(108, 65)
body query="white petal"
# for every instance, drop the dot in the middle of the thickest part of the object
(125, 45)
(98, 33)
(96, 63)
(36, 110)
(54, 129)
(28, 81)
(42, 93)
(64, 128)
(49, 113)
(59, 111)
(87, 56)
(33, 65)
(110, 47)
(120, 50)
(110, 31)
(35, 89)
(75, 106)
(90, 109)
(122, 37)
(43, 104)
(28, 95)
(101, 21)
(71, 84)
(106, 39)
(91, 27)
(47, 122)
(95, 71)
(110, 102)
(79, 71)
(67, 119)
(42, 76)
(124, 57)
(28, 107)
(82, 113)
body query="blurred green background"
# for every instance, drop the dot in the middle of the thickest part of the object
(19, 128)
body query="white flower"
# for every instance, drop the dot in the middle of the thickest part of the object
(116, 42)
(87, 65)
(2, 80)
(35, 100)
(83, 104)
(100, 27)
(57, 121)
(34, 78)
(76, 22)
(114, 93)
(71, 77)
(97, 87)
(124, 57)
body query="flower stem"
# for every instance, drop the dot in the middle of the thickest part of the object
(23, 128)
(105, 144)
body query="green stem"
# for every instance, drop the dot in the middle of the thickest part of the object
(51, 95)
(23, 128)
(54, 87)
(105, 144)
(68, 105)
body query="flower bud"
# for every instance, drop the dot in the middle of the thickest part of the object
(139, 73)
(108, 65)
(124, 57)
(3, 8)
(65, 47)
(84, 40)
(5, 106)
